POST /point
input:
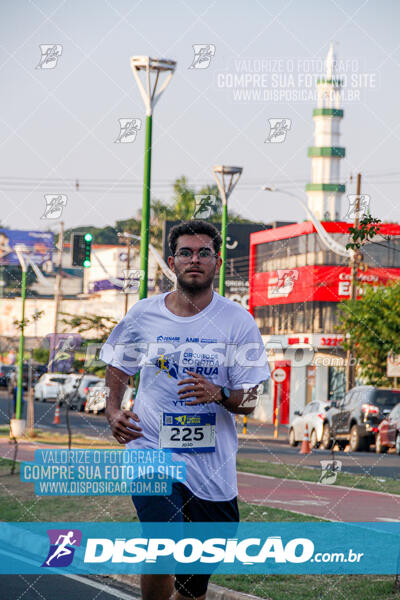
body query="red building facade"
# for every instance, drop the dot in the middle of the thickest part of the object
(295, 286)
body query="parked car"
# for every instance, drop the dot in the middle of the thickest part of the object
(69, 383)
(96, 397)
(12, 375)
(388, 435)
(313, 415)
(48, 386)
(76, 390)
(5, 371)
(96, 402)
(37, 371)
(356, 418)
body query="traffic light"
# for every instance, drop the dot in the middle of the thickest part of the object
(81, 247)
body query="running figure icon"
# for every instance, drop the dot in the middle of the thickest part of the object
(62, 549)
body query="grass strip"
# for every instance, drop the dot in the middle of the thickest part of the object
(361, 481)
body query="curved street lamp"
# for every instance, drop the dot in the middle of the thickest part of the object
(225, 188)
(337, 248)
(327, 239)
(150, 96)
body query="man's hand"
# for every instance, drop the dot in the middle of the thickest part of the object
(201, 388)
(240, 402)
(121, 426)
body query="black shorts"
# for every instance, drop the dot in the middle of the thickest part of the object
(183, 506)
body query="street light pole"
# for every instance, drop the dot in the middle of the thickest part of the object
(57, 293)
(18, 406)
(225, 189)
(150, 98)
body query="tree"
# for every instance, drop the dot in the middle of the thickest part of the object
(101, 325)
(183, 199)
(373, 325)
(41, 355)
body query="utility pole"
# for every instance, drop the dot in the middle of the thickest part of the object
(128, 266)
(18, 424)
(354, 264)
(57, 291)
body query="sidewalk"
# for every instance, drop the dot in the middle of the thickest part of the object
(214, 592)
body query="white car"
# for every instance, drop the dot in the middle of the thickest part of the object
(96, 398)
(48, 386)
(69, 384)
(313, 415)
(77, 387)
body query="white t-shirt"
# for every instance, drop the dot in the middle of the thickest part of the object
(222, 342)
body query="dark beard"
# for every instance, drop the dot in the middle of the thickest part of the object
(194, 288)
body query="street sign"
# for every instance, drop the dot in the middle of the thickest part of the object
(393, 365)
(278, 375)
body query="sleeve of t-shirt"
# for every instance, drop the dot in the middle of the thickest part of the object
(121, 348)
(249, 366)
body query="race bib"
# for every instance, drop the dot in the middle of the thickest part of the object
(187, 432)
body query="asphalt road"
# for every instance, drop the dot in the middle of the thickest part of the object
(250, 447)
(62, 587)
(83, 423)
(362, 463)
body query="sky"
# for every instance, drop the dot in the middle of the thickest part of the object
(61, 124)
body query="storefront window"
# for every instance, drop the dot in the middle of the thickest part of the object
(301, 317)
(309, 250)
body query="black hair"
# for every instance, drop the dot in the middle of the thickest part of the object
(194, 227)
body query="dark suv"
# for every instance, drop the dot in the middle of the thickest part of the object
(355, 419)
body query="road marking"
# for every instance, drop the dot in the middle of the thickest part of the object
(387, 519)
(300, 502)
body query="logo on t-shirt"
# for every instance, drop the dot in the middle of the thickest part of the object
(168, 338)
(167, 365)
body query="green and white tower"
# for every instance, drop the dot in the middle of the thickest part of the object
(325, 190)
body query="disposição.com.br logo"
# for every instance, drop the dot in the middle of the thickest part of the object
(62, 547)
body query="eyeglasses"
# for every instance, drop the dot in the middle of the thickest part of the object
(204, 255)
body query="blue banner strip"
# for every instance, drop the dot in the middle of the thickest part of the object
(230, 548)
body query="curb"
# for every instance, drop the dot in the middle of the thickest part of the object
(214, 592)
(261, 438)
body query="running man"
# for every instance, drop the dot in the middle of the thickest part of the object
(201, 360)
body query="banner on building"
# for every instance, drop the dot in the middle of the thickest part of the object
(62, 348)
(314, 283)
(37, 244)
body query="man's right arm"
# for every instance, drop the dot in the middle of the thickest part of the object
(120, 422)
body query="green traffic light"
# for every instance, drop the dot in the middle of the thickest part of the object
(86, 263)
(88, 237)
